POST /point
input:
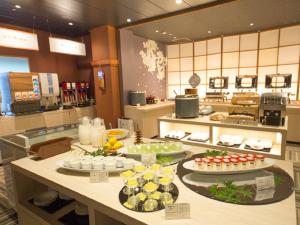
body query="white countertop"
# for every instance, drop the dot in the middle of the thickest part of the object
(150, 107)
(104, 197)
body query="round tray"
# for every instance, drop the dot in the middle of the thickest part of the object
(123, 198)
(190, 165)
(200, 183)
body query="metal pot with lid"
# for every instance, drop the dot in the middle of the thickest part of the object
(187, 106)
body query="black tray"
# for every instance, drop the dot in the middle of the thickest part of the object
(282, 190)
(232, 146)
(260, 150)
(73, 219)
(123, 198)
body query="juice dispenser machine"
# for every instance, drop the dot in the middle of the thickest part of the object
(82, 90)
(20, 93)
(50, 91)
(68, 94)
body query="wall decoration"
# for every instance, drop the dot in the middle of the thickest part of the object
(153, 59)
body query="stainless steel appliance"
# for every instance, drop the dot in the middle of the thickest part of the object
(49, 91)
(20, 93)
(246, 81)
(68, 94)
(187, 106)
(137, 98)
(272, 109)
(18, 146)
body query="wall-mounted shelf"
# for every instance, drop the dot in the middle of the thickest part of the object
(215, 129)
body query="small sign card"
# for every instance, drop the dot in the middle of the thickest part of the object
(177, 211)
(99, 176)
(149, 158)
(266, 182)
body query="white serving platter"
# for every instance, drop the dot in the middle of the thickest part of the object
(116, 170)
(124, 151)
(190, 165)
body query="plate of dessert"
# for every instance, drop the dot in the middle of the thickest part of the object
(118, 133)
(259, 144)
(199, 136)
(159, 148)
(230, 164)
(86, 164)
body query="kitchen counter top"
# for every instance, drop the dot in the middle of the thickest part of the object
(17, 124)
(150, 107)
(103, 197)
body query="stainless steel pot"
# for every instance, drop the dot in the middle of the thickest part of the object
(187, 106)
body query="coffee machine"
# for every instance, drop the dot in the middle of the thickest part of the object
(20, 93)
(272, 109)
(68, 94)
(82, 93)
(49, 90)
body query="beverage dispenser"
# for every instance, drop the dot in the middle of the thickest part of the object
(82, 89)
(50, 91)
(20, 92)
(67, 94)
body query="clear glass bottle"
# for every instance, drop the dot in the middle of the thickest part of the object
(98, 133)
(84, 131)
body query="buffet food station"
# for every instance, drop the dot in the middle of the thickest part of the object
(104, 207)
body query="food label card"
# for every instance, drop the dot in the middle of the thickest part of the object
(177, 211)
(263, 183)
(99, 176)
(149, 158)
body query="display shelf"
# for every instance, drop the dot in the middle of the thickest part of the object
(215, 129)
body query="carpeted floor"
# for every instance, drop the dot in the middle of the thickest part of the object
(9, 217)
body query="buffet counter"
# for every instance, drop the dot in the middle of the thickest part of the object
(292, 111)
(17, 124)
(146, 116)
(32, 177)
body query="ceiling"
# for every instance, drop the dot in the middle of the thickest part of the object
(223, 19)
(85, 14)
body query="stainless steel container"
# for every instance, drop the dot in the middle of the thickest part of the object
(187, 106)
(137, 98)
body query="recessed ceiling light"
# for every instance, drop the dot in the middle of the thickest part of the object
(164, 32)
(170, 34)
(18, 6)
(178, 1)
(156, 31)
(13, 9)
(175, 37)
(209, 31)
(70, 24)
(128, 20)
(251, 24)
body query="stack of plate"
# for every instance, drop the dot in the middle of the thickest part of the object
(259, 144)
(176, 134)
(199, 136)
(231, 140)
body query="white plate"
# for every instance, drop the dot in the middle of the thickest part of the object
(124, 151)
(116, 170)
(190, 165)
(126, 132)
